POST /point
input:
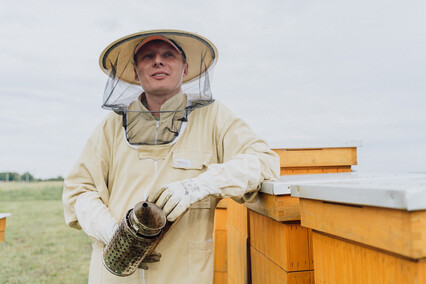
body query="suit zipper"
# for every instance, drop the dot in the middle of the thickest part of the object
(156, 131)
(155, 176)
(155, 142)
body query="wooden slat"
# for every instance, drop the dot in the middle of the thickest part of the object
(266, 271)
(220, 251)
(230, 280)
(237, 256)
(2, 229)
(238, 217)
(397, 231)
(298, 247)
(223, 203)
(314, 170)
(220, 246)
(312, 274)
(220, 278)
(299, 277)
(338, 261)
(221, 219)
(317, 157)
(421, 272)
(418, 232)
(285, 244)
(277, 207)
(238, 232)
(3, 224)
(311, 249)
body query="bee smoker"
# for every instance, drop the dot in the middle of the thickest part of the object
(136, 237)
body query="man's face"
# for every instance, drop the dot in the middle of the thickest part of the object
(160, 69)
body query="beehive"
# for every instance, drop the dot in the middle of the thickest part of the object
(280, 247)
(255, 251)
(327, 158)
(3, 225)
(367, 227)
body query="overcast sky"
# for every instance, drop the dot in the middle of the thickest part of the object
(299, 72)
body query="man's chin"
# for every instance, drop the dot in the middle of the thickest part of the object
(162, 92)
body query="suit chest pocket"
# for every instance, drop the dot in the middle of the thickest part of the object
(191, 160)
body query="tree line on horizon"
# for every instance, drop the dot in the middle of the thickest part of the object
(25, 177)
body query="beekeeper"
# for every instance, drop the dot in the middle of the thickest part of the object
(166, 141)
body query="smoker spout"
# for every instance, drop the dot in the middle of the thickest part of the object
(148, 219)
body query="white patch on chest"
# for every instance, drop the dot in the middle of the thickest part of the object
(182, 163)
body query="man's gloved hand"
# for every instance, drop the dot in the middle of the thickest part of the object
(152, 258)
(176, 197)
(94, 217)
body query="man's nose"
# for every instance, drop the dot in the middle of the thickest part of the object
(158, 60)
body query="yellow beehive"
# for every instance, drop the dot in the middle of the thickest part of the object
(248, 256)
(341, 261)
(320, 160)
(367, 228)
(3, 225)
(284, 246)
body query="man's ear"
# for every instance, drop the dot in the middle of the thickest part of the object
(136, 74)
(185, 70)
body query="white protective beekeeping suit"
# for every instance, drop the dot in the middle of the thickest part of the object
(214, 149)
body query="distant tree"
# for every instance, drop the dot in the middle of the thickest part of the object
(10, 176)
(27, 177)
(59, 178)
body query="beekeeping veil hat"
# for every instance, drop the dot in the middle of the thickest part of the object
(123, 92)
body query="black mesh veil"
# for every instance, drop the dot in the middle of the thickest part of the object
(124, 95)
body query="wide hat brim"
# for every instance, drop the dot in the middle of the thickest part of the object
(200, 53)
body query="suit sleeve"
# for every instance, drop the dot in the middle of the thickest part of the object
(246, 160)
(89, 175)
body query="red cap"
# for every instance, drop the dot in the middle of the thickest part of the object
(156, 37)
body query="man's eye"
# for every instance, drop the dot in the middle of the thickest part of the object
(147, 56)
(169, 55)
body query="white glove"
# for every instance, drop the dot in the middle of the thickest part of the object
(94, 217)
(176, 197)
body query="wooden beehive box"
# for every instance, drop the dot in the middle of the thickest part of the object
(277, 203)
(367, 227)
(269, 235)
(238, 253)
(317, 159)
(280, 248)
(3, 217)
(221, 242)
(279, 251)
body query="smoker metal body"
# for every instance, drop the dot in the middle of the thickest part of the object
(136, 237)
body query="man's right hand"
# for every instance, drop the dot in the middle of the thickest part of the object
(94, 217)
(152, 258)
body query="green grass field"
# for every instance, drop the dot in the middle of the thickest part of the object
(38, 246)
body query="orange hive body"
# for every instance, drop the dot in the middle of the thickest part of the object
(367, 228)
(265, 240)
